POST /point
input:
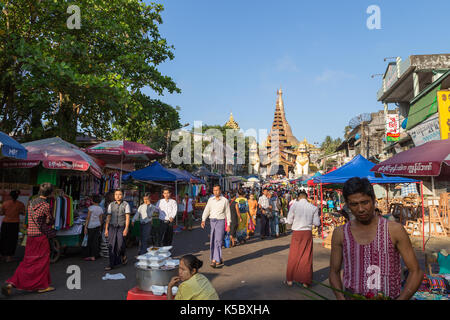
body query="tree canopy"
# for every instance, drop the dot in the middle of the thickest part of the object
(59, 81)
(329, 145)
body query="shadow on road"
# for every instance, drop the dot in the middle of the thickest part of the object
(255, 255)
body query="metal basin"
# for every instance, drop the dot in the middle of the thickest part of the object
(146, 277)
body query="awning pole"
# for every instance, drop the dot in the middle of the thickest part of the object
(387, 198)
(121, 166)
(321, 210)
(432, 186)
(176, 199)
(423, 218)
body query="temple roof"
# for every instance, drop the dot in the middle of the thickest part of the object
(231, 123)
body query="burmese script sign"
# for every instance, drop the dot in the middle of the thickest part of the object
(392, 127)
(411, 169)
(426, 131)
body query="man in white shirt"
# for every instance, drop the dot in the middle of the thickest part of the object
(302, 216)
(167, 213)
(144, 215)
(217, 209)
(266, 209)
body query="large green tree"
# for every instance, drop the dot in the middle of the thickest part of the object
(56, 81)
(329, 145)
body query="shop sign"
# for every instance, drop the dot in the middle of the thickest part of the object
(444, 113)
(391, 75)
(426, 131)
(19, 164)
(392, 127)
(80, 166)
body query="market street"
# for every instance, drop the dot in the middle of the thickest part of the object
(253, 271)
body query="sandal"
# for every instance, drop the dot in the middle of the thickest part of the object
(219, 264)
(6, 289)
(124, 261)
(287, 284)
(108, 268)
(49, 289)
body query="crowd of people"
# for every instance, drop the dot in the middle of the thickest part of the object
(237, 215)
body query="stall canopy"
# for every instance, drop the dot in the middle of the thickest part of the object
(189, 177)
(429, 159)
(55, 153)
(359, 167)
(10, 148)
(310, 181)
(203, 172)
(155, 172)
(123, 151)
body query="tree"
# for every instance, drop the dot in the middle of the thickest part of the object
(329, 145)
(57, 81)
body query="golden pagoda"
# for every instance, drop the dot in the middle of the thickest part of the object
(286, 155)
(231, 123)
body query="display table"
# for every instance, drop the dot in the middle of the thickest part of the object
(138, 294)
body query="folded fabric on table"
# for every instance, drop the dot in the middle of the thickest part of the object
(74, 230)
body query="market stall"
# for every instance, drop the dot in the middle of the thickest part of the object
(357, 167)
(75, 175)
(430, 160)
(157, 173)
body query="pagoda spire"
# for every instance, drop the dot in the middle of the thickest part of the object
(231, 123)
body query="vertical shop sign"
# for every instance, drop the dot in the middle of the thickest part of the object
(444, 113)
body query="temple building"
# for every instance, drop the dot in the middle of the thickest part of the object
(291, 158)
(231, 123)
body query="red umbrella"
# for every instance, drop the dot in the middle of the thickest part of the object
(429, 159)
(55, 153)
(118, 151)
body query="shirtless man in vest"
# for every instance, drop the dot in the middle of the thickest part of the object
(370, 248)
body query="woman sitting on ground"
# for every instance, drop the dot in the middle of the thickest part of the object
(194, 285)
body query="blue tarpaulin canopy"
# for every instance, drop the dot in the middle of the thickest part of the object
(188, 176)
(10, 148)
(155, 172)
(359, 167)
(305, 182)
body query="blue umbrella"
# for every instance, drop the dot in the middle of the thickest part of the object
(11, 148)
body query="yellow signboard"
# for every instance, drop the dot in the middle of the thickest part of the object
(443, 97)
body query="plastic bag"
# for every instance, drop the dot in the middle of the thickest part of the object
(85, 241)
(227, 241)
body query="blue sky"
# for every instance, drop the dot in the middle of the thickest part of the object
(231, 56)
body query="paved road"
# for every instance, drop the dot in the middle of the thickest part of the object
(255, 270)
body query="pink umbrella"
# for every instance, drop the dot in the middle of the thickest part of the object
(55, 153)
(123, 151)
(429, 159)
(117, 151)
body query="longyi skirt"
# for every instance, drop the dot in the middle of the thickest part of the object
(300, 268)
